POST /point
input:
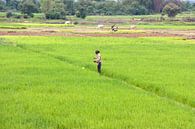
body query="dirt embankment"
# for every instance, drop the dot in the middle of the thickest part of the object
(31, 33)
(148, 33)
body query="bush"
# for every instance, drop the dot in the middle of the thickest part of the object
(54, 15)
(76, 23)
(171, 9)
(18, 16)
(31, 15)
(9, 14)
(78, 14)
(26, 16)
(81, 13)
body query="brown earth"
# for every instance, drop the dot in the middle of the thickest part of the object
(133, 35)
(189, 34)
(54, 33)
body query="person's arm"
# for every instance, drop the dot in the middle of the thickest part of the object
(95, 59)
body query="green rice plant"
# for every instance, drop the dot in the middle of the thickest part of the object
(31, 25)
(11, 26)
(143, 58)
(51, 82)
(45, 25)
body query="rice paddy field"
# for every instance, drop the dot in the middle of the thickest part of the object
(180, 22)
(30, 25)
(51, 82)
(181, 26)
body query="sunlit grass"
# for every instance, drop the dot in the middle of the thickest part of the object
(29, 25)
(43, 83)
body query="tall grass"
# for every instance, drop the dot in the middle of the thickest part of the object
(40, 90)
(163, 65)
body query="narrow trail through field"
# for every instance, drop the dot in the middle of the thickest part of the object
(111, 76)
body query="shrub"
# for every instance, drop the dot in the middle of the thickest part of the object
(9, 14)
(26, 16)
(18, 16)
(76, 23)
(54, 15)
(81, 13)
(31, 15)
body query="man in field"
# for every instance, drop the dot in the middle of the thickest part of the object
(98, 60)
(114, 28)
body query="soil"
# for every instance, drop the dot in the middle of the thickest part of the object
(53, 33)
(148, 33)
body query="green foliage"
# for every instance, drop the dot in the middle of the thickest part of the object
(186, 6)
(81, 13)
(136, 9)
(171, 9)
(28, 7)
(29, 25)
(46, 5)
(69, 7)
(94, 7)
(44, 86)
(13, 4)
(2, 5)
(54, 9)
(9, 14)
(53, 15)
(18, 16)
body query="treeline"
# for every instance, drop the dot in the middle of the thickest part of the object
(58, 9)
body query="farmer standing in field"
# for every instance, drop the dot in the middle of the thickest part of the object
(114, 28)
(98, 60)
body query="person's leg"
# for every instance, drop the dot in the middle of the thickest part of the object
(99, 67)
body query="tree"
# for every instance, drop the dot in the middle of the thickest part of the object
(46, 5)
(69, 7)
(81, 8)
(158, 5)
(193, 7)
(136, 9)
(171, 9)
(12, 4)
(81, 13)
(53, 9)
(147, 4)
(28, 7)
(7, 2)
(2, 5)
(186, 6)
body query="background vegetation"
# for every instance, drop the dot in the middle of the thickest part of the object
(59, 9)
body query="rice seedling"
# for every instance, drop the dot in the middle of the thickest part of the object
(146, 83)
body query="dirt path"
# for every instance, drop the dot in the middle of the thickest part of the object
(189, 34)
(133, 35)
(55, 33)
